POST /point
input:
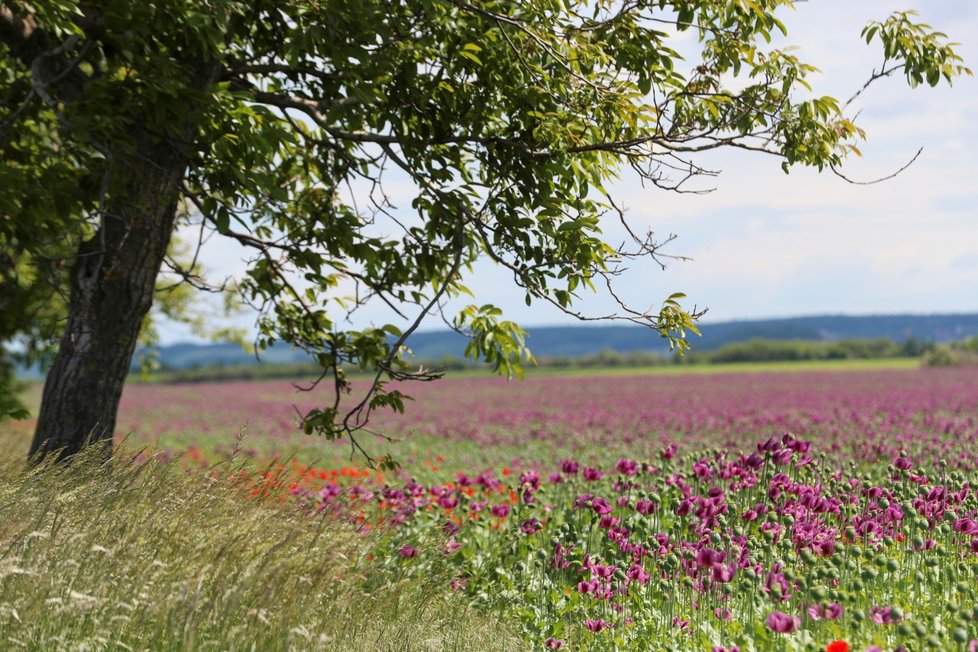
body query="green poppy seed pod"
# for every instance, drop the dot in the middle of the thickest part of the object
(948, 515)
(788, 519)
(931, 562)
(776, 590)
(934, 642)
(789, 574)
(921, 522)
(919, 629)
(715, 537)
(942, 463)
(851, 564)
(768, 535)
(851, 533)
(751, 574)
(892, 565)
(964, 588)
(897, 613)
(887, 541)
(908, 510)
(542, 554)
(951, 606)
(858, 615)
(807, 556)
(958, 635)
(903, 629)
(884, 503)
(917, 541)
(802, 583)
(858, 586)
(820, 592)
(919, 578)
(868, 573)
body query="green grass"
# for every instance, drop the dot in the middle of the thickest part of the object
(124, 557)
(736, 367)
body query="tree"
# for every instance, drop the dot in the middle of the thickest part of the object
(276, 124)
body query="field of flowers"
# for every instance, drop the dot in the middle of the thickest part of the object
(766, 511)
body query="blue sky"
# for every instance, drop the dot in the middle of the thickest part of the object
(766, 244)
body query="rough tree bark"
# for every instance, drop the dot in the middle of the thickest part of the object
(112, 286)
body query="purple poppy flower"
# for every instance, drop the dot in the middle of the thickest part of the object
(451, 546)
(530, 479)
(531, 525)
(601, 506)
(499, 511)
(644, 506)
(885, 615)
(450, 529)
(782, 622)
(636, 573)
(708, 558)
(627, 467)
(595, 625)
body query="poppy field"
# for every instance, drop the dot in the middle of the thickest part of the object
(745, 511)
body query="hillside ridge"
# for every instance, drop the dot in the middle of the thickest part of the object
(576, 341)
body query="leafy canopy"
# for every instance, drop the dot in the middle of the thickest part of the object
(506, 118)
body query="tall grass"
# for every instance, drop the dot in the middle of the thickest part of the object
(127, 557)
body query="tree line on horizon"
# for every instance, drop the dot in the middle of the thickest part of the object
(758, 350)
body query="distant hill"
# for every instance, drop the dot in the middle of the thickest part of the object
(573, 341)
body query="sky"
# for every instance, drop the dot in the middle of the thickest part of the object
(764, 244)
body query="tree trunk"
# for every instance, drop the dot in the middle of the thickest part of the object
(112, 285)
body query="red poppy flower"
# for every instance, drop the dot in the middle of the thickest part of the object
(837, 646)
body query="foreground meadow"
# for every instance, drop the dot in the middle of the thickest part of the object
(763, 511)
